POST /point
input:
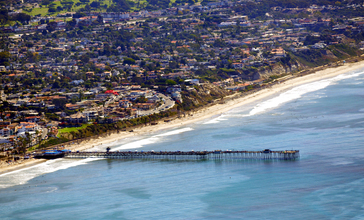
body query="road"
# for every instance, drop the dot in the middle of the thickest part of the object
(167, 104)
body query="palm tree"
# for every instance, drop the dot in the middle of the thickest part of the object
(22, 147)
(80, 94)
(39, 137)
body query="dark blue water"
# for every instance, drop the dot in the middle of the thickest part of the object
(324, 120)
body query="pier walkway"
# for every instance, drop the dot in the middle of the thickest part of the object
(191, 155)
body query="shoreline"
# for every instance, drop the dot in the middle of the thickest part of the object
(21, 165)
(206, 112)
(217, 109)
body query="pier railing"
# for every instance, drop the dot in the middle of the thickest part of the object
(191, 155)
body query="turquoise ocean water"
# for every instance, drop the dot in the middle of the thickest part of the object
(324, 120)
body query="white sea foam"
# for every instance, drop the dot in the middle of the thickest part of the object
(297, 92)
(237, 115)
(178, 131)
(341, 162)
(216, 120)
(288, 96)
(137, 144)
(151, 140)
(22, 176)
(52, 189)
(103, 146)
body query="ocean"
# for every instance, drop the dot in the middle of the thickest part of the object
(323, 119)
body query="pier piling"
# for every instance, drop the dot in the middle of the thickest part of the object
(191, 155)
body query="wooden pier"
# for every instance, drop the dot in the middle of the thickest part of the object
(191, 155)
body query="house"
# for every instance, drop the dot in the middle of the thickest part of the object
(111, 120)
(278, 52)
(112, 92)
(318, 46)
(6, 132)
(125, 104)
(78, 118)
(193, 81)
(103, 96)
(87, 19)
(153, 99)
(91, 114)
(242, 86)
(132, 111)
(232, 88)
(181, 75)
(138, 93)
(238, 65)
(71, 106)
(27, 127)
(135, 87)
(32, 118)
(175, 88)
(191, 62)
(77, 82)
(225, 24)
(145, 106)
(177, 96)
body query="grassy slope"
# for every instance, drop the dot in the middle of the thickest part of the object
(44, 10)
(67, 130)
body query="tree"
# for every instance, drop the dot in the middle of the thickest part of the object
(59, 103)
(23, 18)
(4, 58)
(46, 2)
(80, 95)
(4, 18)
(100, 19)
(51, 26)
(95, 4)
(67, 4)
(129, 61)
(173, 65)
(141, 99)
(79, 14)
(52, 9)
(85, 58)
(39, 137)
(87, 8)
(120, 6)
(72, 23)
(24, 142)
(56, 85)
(171, 82)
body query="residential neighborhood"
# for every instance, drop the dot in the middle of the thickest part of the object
(79, 68)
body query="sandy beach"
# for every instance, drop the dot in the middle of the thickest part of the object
(217, 109)
(214, 110)
(17, 165)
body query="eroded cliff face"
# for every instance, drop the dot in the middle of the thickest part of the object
(201, 95)
(301, 61)
(279, 69)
